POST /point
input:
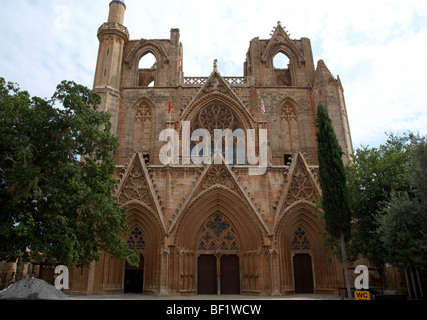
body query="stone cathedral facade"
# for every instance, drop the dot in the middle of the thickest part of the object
(213, 228)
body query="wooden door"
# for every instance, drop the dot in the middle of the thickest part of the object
(134, 277)
(303, 274)
(230, 274)
(206, 275)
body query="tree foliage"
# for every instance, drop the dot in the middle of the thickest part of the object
(403, 226)
(56, 178)
(332, 178)
(372, 175)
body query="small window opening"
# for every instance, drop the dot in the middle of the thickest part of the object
(146, 158)
(287, 159)
(147, 62)
(281, 61)
(282, 70)
(147, 69)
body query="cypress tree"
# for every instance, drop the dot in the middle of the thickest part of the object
(332, 177)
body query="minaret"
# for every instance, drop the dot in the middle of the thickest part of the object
(113, 36)
(117, 11)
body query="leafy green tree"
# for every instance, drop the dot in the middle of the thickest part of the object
(56, 178)
(372, 175)
(332, 177)
(403, 226)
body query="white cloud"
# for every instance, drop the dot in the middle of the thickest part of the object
(378, 47)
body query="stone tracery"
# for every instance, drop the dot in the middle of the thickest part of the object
(136, 187)
(216, 116)
(143, 113)
(288, 112)
(301, 187)
(300, 240)
(218, 235)
(136, 240)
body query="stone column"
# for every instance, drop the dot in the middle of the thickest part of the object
(273, 255)
(164, 270)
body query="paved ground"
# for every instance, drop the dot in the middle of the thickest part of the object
(206, 297)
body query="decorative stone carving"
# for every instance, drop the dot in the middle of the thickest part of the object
(143, 113)
(218, 235)
(301, 187)
(288, 112)
(136, 187)
(216, 116)
(300, 241)
(218, 174)
(136, 240)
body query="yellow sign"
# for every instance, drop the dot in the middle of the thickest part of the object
(362, 295)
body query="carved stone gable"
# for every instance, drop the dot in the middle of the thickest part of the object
(134, 184)
(215, 83)
(136, 187)
(218, 175)
(281, 40)
(301, 184)
(301, 187)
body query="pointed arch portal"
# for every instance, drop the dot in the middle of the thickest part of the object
(218, 269)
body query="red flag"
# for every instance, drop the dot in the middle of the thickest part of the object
(262, 106)
(169, 106)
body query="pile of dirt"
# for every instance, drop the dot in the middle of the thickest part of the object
(32, 289)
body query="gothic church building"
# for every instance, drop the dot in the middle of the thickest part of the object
(213, 228)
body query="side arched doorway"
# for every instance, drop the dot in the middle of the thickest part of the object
(303, 264)
(303, 273)
(134, 277)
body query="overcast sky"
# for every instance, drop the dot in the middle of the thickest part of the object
(378, 48)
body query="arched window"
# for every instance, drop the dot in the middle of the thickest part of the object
(281, 61)
(218, 116)
(282, 69)
(147, 61)
(300, 240)
(147, 68)
(218, 235)
(136, 240)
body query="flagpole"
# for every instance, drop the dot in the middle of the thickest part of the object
(263, 110)
(170, 112)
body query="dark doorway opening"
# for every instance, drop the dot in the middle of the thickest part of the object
(303, 274)
(230, 274)
(134, 277)
(206, 275)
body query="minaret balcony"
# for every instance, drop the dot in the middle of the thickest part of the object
(114, 27)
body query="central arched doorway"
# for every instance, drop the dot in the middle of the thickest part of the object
(218, 270)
